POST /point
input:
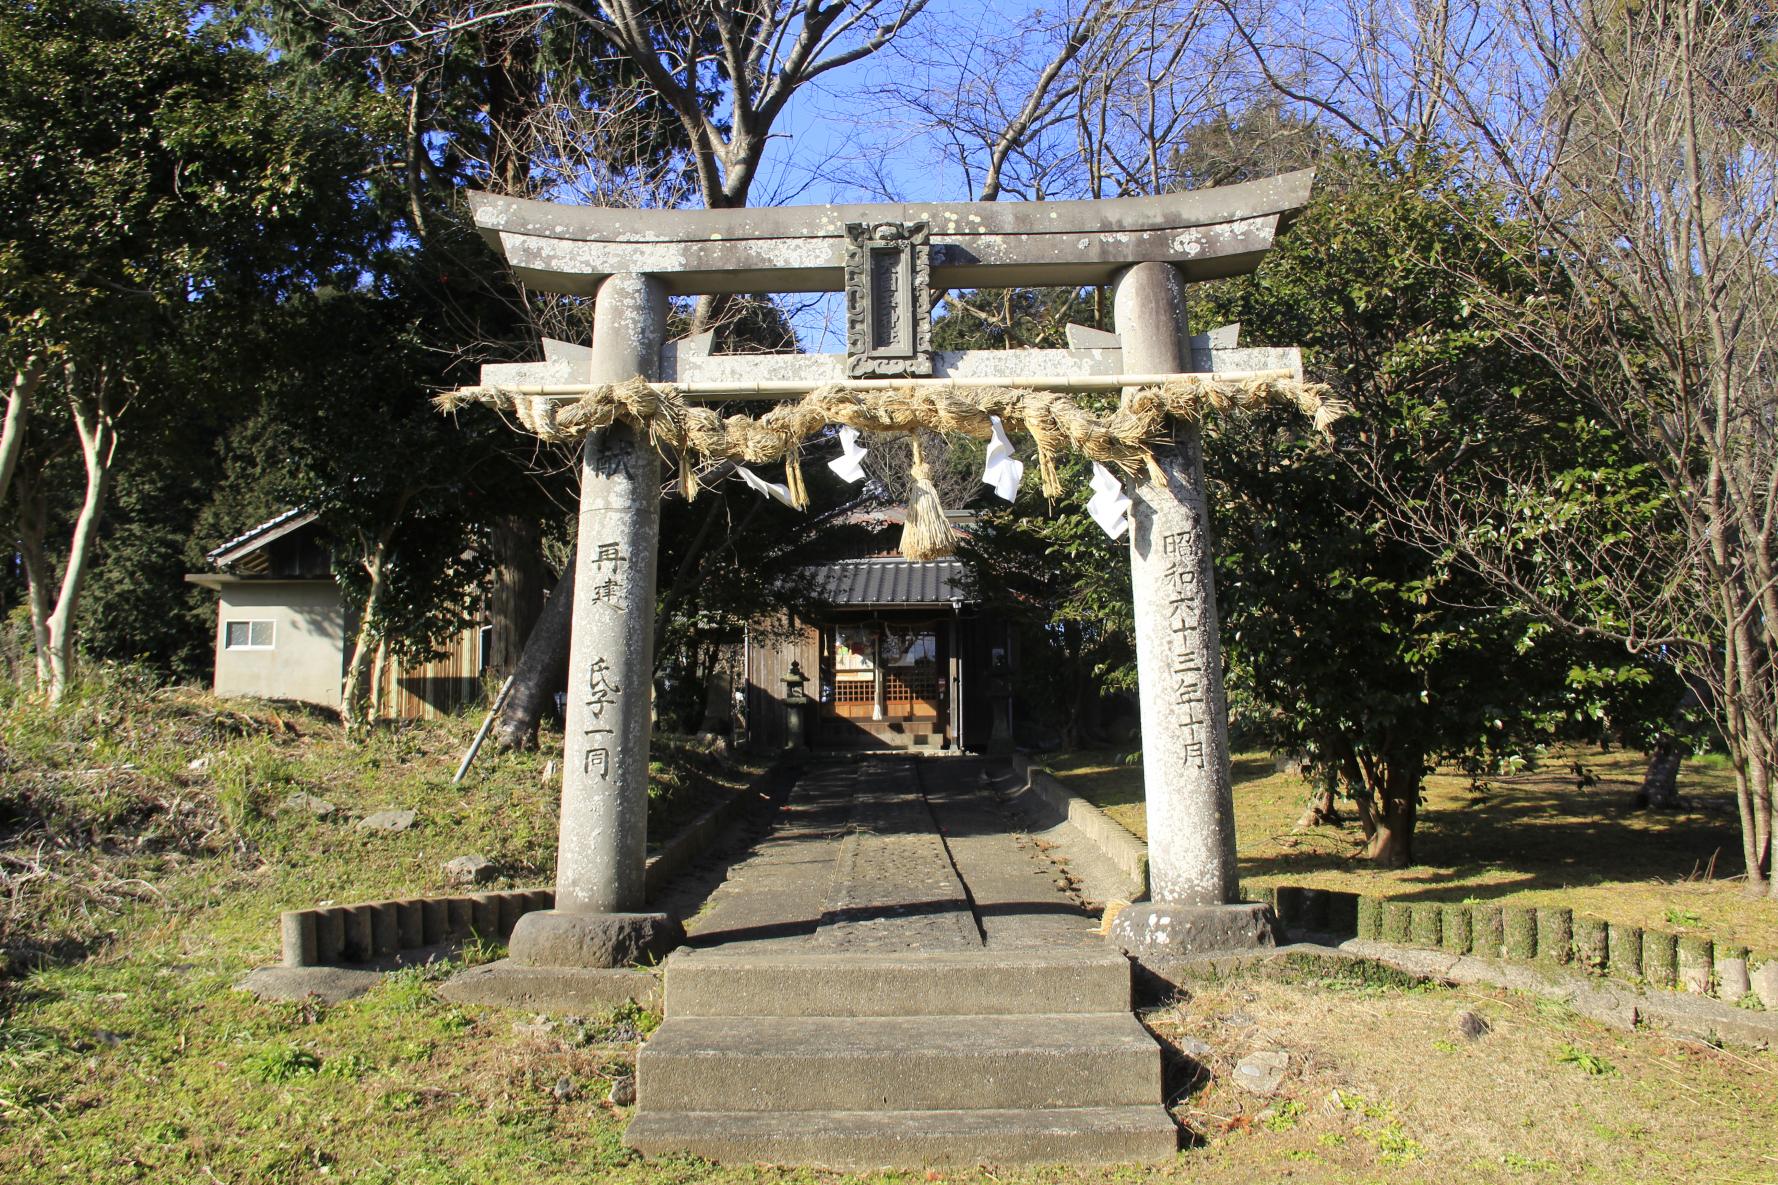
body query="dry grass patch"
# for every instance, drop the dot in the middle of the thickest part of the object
(1382, 1084)
(1552, 836)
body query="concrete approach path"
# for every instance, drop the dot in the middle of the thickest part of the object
(894, 855)
(895, 976)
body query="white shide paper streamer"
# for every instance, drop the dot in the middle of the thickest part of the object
(1004, 470)
(770, 489)
(849, 465)
(1109, 505)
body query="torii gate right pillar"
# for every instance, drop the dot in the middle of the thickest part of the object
(1193, 879)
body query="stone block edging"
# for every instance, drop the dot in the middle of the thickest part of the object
(1124, 850)
(1551, 938)
(1619, 1004)
(345, 934)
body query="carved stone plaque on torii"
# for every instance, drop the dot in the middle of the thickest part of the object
(889, 260)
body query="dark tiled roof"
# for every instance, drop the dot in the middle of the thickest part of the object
(892, 582)
(293, 519)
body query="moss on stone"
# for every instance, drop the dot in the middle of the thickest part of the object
(1370, 918)
(1624, 950)
(1488, 931)
(1426, 923)
(1520, 944)
(1696, 964)
(1734, 979)
(1456, 929)
(1762, 970)
(1398, 922)
(1592, 943)
(1555, 935)
(1660, 959)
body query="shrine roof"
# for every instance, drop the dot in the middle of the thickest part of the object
(893, 581)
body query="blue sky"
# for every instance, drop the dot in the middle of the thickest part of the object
(832, 128)
(838, 142)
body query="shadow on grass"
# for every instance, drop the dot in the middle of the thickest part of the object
(1533, 831)
(1511, 842)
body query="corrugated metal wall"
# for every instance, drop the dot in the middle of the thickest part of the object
(437, 688)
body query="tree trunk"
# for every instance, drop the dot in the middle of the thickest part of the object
(517, 596)
(1393, 844)
(355, 692)
(33, 516)
(542, 669)
(379, 681)
(1660, 783)
(1398, 807)
(1321, 810)
(18, 416)
(1750, 749)
(53, 624)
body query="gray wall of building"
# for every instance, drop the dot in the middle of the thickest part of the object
(307, 655)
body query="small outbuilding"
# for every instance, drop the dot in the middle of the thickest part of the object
(284, 631)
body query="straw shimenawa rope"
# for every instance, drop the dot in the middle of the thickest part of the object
(1123, 438)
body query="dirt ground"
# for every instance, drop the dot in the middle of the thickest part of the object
(1383, 1084)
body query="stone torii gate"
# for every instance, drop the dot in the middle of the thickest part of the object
(889, 259)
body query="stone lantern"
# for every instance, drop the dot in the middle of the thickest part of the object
(1000, 695)
(796, 704)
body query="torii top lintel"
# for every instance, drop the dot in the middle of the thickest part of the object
(1208, 233)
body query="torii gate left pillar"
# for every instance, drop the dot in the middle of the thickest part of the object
(598, 920)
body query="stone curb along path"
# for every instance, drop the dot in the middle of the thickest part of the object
(339, 952)
(1053, 804)
(1595, 966)
(1623, 975)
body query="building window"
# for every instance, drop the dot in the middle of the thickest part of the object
(247, 635)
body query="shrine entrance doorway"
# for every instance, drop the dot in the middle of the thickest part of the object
(885, 683)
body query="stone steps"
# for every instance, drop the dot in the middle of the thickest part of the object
(919, 1060)
(978, 984)
(899, 1063)
(858, 1141)
(892, 981)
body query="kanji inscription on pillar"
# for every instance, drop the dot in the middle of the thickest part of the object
(599, 697)
(605, 569)
(601, 691)
(614, 457)
(1182, 577)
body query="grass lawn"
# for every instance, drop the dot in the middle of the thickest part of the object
(1536, 838)
(135, 890)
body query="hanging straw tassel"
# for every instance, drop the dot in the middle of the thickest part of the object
(793, 478)
(1050, 479)
(926, 535)
(688, 476)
